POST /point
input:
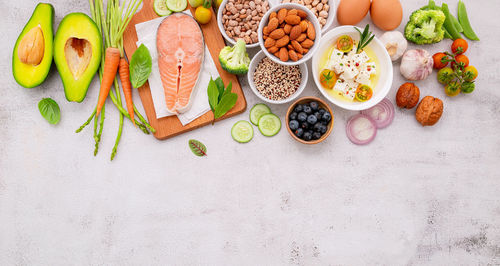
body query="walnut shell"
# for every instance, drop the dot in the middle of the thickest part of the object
(408, 95)
(429, 110)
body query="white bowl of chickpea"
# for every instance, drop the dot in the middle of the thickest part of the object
(324, 10)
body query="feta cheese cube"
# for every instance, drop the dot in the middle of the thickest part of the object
(336, 55)
(370, 67)
(362, 57)
(340, 86)
(350, 72)
(363, 77)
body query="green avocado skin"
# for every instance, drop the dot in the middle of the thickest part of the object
(31, 76)
(80, 26)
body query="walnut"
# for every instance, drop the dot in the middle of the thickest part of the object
(429, 110)
(408, 95)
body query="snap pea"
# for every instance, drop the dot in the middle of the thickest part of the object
(464, 21)
(448, 23)
(456, 23)
(446, 34)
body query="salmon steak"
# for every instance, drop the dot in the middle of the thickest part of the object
(181, 49)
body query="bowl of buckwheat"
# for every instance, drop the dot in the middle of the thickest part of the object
(276, 83)
(239, 19)
(324, 10)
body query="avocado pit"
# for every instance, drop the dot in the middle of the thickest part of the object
(32, 47)
(78, 53)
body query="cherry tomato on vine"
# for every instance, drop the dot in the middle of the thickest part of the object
(470, 73)
(440, 60)
(459, 46)
(462, 60)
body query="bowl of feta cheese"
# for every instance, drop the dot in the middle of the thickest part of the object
(351, 78)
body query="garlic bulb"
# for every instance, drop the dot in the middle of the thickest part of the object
(416, 64)
(395, 44)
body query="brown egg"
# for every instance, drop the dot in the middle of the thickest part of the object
(351, 12)
(386, 14)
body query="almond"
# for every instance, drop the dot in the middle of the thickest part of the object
(290, 47)
(283, 54)
(283, 41)
(282, 14)
(265, 30)
(277, 34)
(273, 24)
(273, 49)
(32, 47)
(302, 37)
(311, 32)
(295, 32)
(292, 12)
(297, 47)
(287, 28)
(307, 43)
(303, 25)
(293, 55)
(265, 37)
(273, 15)
(302, 13)
(305, 50)
(292, 19)
(300, 56)
(269, 42)
(277, 54)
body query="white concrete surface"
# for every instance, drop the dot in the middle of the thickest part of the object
(415, 196)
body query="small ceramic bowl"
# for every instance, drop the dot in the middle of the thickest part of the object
(331, 16)
(310, 16)
(221, 26)
(322, 104)
(251, 69)
(384, 83)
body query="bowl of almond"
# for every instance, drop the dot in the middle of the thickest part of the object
(289, 34)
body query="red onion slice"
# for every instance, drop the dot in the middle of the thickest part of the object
(382, 113)
(361, 129)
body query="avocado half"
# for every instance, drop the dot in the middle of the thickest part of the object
(32, 56)
(77, 54)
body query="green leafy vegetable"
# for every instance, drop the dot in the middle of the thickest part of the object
(49, 109)
(221, 99)
(197, 148)
(140, 66)
(365, 37)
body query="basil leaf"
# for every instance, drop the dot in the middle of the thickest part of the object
(226, 103)
(213, 94)
(229, 87)
(140, 66)
(49, 109)
(220, 87)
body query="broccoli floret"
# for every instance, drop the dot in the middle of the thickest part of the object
(235, 59)
(425, 27)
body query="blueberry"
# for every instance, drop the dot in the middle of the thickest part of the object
(317, 127)
(307, 136)
(326, 117)
(307, 109)
(316, 135)
(293, 116)
(304, 125)
(299, 132)
(311, 119)
(314, 105)
(293, 124)
(298, 108)
(302, 117)
(321, 111)
(317, 115)
(322, 129)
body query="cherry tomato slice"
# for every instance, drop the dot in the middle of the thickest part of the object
(364, 93)
(345, 43)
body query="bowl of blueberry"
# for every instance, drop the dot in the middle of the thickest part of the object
(309, 120)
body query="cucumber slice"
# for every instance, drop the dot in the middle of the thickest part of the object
(269, 125)
(242, 131)
(161, 9)
(257, 112)
(177, 5)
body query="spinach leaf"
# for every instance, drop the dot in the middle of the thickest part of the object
(140, 66)
(213, 94)
(49, 109)
(229, 87)
(220, 87)
(226, 103)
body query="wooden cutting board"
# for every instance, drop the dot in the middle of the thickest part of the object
(168, 127)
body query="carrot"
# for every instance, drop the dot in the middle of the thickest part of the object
(111, 62)
(124, 73)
